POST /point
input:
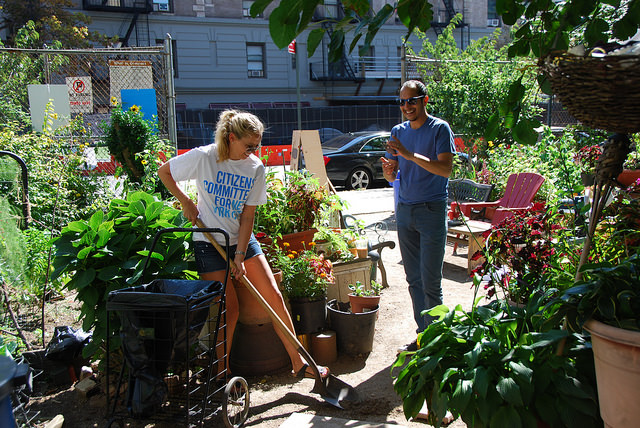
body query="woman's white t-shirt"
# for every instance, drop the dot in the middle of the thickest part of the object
(224, 188)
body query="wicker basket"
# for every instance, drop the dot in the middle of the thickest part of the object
(600, 92)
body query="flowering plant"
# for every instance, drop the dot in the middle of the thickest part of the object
(587, 157)
(295, 204)
(524, 254)
(305, 274)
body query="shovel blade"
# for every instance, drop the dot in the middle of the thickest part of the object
(335, 392)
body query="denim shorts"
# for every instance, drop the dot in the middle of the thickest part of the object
(208, 259)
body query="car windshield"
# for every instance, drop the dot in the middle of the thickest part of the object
(337, 142)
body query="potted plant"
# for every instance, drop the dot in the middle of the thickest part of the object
(587, 158)
(306, 276)
(362, 299)
(296, 206)
(334, 243)
(498, 366)
(607, 305)
(631, 167)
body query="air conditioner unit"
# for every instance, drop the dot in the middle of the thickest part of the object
(493, 22)
(255, 73)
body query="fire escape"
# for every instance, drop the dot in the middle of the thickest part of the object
(134, 30)
(443, 17)
(326, 70)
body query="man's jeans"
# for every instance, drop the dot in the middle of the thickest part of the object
(422, 235)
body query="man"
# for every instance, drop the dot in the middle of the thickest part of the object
(422, 149)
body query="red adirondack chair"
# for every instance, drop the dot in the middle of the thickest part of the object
(518, 195)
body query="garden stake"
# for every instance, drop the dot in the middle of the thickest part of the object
(331, 389)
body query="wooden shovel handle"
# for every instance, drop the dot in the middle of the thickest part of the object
(265, 305)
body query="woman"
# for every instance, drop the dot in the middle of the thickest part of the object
(230, 181)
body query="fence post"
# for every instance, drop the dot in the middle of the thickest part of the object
(171, 94)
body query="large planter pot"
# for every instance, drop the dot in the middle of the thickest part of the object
(361, 304)
(251, 311)
(617, 360)
(354, 332)
(257, 350)
(628, 176)
(308, 316)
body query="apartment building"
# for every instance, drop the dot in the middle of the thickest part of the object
(223, 57)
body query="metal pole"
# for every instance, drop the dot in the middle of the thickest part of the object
(171, 93)
(298, 86)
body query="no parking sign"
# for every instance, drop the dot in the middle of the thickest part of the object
(80, 94)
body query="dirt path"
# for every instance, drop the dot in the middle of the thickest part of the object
(275, 398)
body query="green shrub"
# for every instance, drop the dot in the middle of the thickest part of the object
(108, 252)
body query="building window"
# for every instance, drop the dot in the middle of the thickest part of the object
(493, 20)
(246, 9)
(174, 52)
(255, 60)
(331, 8)
(163, 5)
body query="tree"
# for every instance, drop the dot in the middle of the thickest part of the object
(56, 25)
(541, 27)
(466, 87)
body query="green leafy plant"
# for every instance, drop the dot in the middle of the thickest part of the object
(498, 366)
(334, 243)
(296, 204)
(610, 294)
(358, 289)
(134, 143)
(108, 252)
(305, 274)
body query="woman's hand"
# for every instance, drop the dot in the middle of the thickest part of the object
(239, 271)
(190, 211)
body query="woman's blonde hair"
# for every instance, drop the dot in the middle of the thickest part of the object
(241, 124)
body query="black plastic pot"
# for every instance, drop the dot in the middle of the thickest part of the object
(354, 332)
(309, 316)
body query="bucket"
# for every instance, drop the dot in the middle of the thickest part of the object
(354, 332)
(308, 316)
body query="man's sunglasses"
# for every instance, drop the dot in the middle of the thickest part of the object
(411, 101)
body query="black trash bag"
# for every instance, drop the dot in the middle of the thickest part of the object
(67, 344)
(147, 394)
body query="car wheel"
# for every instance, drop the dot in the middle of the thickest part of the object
(359, 178)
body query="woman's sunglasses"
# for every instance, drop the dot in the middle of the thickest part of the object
(410, 101)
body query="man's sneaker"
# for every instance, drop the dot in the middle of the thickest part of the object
(409, 347)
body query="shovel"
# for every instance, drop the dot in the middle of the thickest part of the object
(331, 389)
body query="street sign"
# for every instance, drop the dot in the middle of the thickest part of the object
(80, 94)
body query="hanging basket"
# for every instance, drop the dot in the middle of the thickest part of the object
(601, 92)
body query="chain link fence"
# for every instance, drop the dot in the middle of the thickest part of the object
(92, 80)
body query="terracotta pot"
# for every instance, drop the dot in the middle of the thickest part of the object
(298, 241)
(251, 311)
(360, 303)
(628, 176)
(617, 359)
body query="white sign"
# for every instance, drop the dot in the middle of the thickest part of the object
(127, 74)
(80, 94)
(57, 114)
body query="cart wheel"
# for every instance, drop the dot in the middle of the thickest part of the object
(235, 403)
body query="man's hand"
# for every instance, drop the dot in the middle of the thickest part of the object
(389, 168)
(396, 148)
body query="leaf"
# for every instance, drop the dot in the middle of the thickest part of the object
(524, 131)
(96, 220)
(505, 417)
(361, 7)
(596, 31)
(509, 391)
(154, 210)
(481, 381)
(336, 46)
(109, 273)
(76, 226)
(258, 7)
(89, 295)
(137, 208)
(313, 40)
(283, 23)
(84, 253)
(83, 278)
(461, 395)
